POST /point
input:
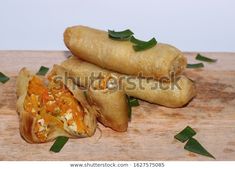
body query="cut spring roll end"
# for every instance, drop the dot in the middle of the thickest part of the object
(49, 110)
(174, 94)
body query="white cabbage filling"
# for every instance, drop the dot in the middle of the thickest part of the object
(42, 125)
(68, 116)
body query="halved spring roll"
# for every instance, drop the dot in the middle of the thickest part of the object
(96, 47)
(174, 94)
(54, 109)
(111, 104)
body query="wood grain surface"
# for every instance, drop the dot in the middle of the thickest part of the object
(150, 135)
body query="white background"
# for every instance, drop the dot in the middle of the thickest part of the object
(190, 25)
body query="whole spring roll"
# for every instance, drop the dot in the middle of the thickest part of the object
(111, 104)
(174, 94)
(96, 47)
(52, 109)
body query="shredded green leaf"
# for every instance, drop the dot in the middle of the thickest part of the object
(137, 41)
(185, 134)
(3, 78)
(127, 35)
(43, 71)
(59, 144)
(194, 146)
(196, 65)
(122, 35)
(205, 59)
(132, 102)
(145, 45)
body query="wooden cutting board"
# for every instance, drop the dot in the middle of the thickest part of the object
(150, 135)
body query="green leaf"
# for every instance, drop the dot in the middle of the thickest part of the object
(3, 78)
(122, 35)
(42, 71)
(194, 146)
(133, 102)
(137, 41)
(185, 134)
(59, 144)
(205, 59)
(196, 65)
(146, 45)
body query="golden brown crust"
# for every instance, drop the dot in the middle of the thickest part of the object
(112, 107)
(96, 47)
(26, 119)
(174, 94)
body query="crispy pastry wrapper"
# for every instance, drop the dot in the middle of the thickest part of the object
(96, 47)
(170, 94)
(112, 106)
(28, 120)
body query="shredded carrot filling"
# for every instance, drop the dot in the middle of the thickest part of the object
(104, 82)
(54, 104)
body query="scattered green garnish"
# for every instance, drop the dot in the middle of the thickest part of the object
(3, 78)
(59, 144)
(43, 71)
(205, 59)
(132, 102)
(194, 146)
(122, 35)
(196, 65)
(145, 45)
(128, 35)
(185, 134)
(136, 41)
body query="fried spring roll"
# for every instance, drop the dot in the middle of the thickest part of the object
(50, 110)
(174, 94)
(96, 47)
(110, 105)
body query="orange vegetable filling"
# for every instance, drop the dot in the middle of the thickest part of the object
(54, 104)
(104, 82)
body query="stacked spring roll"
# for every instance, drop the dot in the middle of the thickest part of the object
(157, 66)
(170, 94)
(109, 70)
(96, 47)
